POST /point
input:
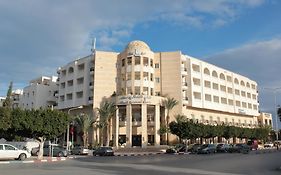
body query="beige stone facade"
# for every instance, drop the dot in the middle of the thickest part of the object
(138, 80)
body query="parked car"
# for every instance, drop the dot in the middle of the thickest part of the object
(103, 151)
(193, 148)
(207, 149)
(80, 150)
(176, 148)
(58, 151)
(223, 147)
(268, 145)
(240, 148)
(8, 151)
(253, 144)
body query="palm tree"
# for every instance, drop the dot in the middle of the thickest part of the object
(169, 104)
(85, 122)
(106, 112)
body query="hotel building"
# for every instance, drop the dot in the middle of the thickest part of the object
(137, 80)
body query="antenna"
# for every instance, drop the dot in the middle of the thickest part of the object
(93, 45)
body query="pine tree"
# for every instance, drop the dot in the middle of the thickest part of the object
(8, 101)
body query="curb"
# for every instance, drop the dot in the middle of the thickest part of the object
(48, 159)
(137, 154)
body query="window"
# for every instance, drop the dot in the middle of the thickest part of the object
(242, 83)
(229, 90)
(9, 147)
(123, 62)
(222, 77)
(249, 105)
(207, 84)
(62, 98)
(238, 103)
(236, 81)
(223, 88)
(151, 62)
(157, 65)
(1, 147)
(79, 94)
(248, 95)
(70, 70)
(137, 76)
(223, 100)
(253, 86)
(145, 76)
(81, 67)
(216, 99)
(137, 60)
(129, 76)
(243, 93)
(254, 96)
(157, 79)
(80, 80)
(196, 81)
(69, 96)
(237, 92)
(255, 107)
(145, 61)
(230, 102)
(244, 104)
(215, 86)
(197, 95)
(206, 71)
(137, 90)
(157, 94)
(195, 68)
(215, 74)
(228, 78)
(151, 77)
(145, 90)
(208, 97)
(70, 83)
(129, 61)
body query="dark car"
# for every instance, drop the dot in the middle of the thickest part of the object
(240, 148)
(223, 147)
(193, 148)
(103, 151)
(207, 149)
(177, 148)
(58, 151)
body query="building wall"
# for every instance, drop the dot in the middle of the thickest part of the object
(265, 119)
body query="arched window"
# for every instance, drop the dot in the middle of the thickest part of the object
(206, 71)
(236, 81)
(222, 77)
(215, 74)
(242, 83)
(248, 84)
(70, 70)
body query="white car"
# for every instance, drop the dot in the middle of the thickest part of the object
(8, 151)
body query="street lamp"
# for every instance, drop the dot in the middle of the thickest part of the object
(275, 108)
(67, 132)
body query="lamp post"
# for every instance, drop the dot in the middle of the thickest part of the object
(67, 132)
(275, 108)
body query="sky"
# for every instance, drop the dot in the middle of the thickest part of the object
(243, 36)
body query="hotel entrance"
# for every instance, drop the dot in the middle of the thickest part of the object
(136, 140)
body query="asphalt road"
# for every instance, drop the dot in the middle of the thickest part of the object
(217, 164)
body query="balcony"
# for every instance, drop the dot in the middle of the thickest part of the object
(90, 100)
(185, 101)
(122, 123)
(92, 70)
(184, 71)
(184, 85)
(150, 123)
(91, 84)
(136, 123)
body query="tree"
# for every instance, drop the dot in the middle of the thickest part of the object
(8, 101)
(39, 124)
(85, 122)
(106, 112)
(5, 119)
(169, 104)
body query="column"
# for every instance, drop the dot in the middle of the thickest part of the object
(144, 125)
(157, 125)
(129, 126)
(116, 136)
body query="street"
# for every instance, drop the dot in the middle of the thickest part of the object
(216, 164)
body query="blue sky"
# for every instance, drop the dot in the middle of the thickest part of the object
(244, 36)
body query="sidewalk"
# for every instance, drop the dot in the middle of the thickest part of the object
(34, 160)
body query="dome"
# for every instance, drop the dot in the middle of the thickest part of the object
(137, 45)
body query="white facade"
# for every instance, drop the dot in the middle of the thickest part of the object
(16, 97)
(76, 83)
(41, 92)
(214, 88)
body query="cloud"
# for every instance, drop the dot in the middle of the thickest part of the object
(38, 36)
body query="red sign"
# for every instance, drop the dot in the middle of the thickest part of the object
(71, 130)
